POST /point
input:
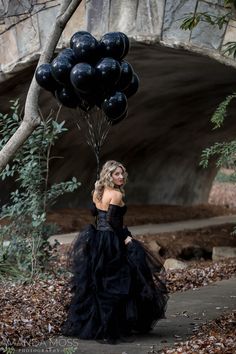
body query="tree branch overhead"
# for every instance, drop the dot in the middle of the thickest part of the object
(31, 116)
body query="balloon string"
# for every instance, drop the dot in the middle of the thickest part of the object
(95, 128)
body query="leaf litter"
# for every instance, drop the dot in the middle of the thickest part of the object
(33, 313)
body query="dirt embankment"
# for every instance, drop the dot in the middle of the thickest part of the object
(70, 220)
(223, 194)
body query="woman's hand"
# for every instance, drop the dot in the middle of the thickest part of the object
(128, 239)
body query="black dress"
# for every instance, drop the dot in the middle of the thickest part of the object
(118, 289)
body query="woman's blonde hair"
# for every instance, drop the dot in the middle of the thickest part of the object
(106, 180)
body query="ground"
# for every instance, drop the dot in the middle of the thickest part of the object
(32, 313)
(35, 312)
(222, 201)
(71, 220)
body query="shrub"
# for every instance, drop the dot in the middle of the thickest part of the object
(24, 246)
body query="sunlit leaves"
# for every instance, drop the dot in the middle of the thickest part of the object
(224, 153)
(230, 49)
(191, 20)
(221, 111)
(228, 3)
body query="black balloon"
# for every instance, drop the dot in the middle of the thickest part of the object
(67, 97)
(69, 54)
(119, 119)
(86, 101)
(93, 99)
(85, 48)
(133, 86)
(108, 72)
(61, 67)
(127, 45)
(99, 98)
(126, 75)
(77, 35)
(92, 73)
(115, 105)
(113, 45)
(82, 77)
(44, 77)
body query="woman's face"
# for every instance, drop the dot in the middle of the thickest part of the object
(118, 176)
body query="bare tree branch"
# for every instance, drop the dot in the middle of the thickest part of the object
(31, 116)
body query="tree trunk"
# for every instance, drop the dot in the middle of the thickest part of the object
(31, 116)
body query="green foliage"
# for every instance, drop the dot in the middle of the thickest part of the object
(29, 250)
(230, 49)
(221, 111)
(228, 3)
(225, 178)
(192, 20)
(225, 153)
(8, 350)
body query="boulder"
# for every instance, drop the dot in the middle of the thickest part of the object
(219, 253)
(154, 246)
(172, 263)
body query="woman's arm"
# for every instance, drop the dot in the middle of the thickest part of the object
(116, 199)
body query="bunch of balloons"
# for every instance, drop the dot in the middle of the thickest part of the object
(92, 73)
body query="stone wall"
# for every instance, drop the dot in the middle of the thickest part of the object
(25, 25)
(168, 124)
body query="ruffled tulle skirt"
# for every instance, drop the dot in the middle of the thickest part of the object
(116, 289)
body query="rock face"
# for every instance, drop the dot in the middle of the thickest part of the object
(25, 25)
(223, 252)
(168, 123)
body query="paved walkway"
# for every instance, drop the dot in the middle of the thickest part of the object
(185, 312)
(159, 228)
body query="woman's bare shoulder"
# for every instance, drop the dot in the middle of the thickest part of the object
(113, 192)
(114, 196)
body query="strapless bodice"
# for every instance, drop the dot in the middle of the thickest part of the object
(114, 213)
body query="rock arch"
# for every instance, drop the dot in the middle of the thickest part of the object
(184, 76)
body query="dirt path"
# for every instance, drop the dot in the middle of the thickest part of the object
(73, 219)
(161, 228)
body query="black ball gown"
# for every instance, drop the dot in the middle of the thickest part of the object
(117, 289)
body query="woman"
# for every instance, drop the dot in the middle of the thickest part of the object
(116, 289)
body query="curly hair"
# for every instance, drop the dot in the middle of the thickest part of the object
(106, 180)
